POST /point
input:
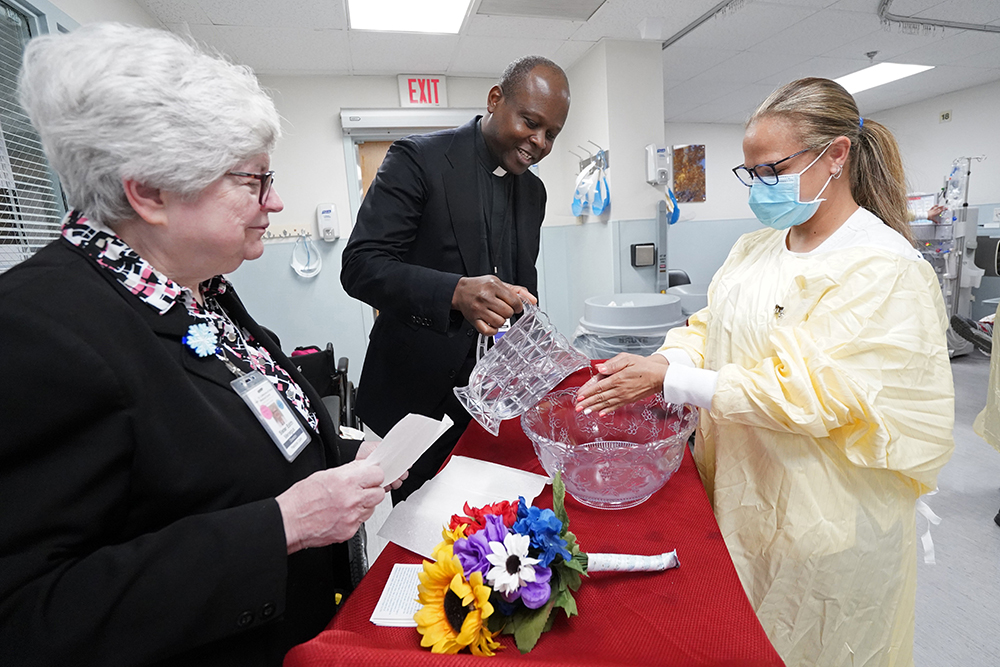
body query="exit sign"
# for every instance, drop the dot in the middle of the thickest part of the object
(421, 90)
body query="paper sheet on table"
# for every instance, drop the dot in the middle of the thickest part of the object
(397, 604)
(416, 523)
(405, 442)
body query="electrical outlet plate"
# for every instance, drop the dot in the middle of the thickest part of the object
(996, 215)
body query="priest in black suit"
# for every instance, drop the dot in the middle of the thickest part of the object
(445, 247)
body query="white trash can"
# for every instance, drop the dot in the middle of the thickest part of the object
(635, 323)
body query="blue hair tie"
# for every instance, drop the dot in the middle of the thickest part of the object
(861, 124)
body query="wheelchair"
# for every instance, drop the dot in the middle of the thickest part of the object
(328, 376)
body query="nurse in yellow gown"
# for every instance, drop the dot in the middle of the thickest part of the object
(821, 370)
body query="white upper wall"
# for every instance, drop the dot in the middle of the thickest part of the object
(725, 198)
(587, 121)
(309, 159)
(928, 146)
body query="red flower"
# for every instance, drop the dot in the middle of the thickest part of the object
(476, 516)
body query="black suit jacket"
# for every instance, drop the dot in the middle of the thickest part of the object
(137, 514)
(418, 231)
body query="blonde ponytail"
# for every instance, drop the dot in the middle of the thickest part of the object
(822, 111)
(877, 179)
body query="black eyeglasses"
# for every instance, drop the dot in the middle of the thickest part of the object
(266, 179)
(765, 173)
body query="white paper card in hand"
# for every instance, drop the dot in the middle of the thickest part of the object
(405, 442)
(398, 602)
(416, 523)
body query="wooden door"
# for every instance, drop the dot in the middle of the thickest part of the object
(371, 154)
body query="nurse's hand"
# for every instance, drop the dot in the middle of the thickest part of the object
(622, 380)
(328, 506)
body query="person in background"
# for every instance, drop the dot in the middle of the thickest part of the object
(821, 369)
(150, 514)
(445, 247)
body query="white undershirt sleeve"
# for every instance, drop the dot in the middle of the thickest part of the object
(684, 383)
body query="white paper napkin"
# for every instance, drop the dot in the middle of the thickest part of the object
(416, 523)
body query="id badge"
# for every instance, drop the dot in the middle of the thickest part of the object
(273, 412)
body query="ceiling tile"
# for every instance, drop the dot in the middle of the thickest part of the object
(692, 93)
(675, 104)
(911, 7)
(571, 51)
(322, 14)
(958, 48)
(490, 55)
(747, 67)
(175, 11)
(279, 50)
(619, 19)
(510, 26)
(962, 11)
(890, 43)
(819, 33)
(683, 62)
(742, 100)
(580, 10)
(828, 68)
(866, 6)
(400, 53)
(938, 81)
(754, 23)
(815, 4)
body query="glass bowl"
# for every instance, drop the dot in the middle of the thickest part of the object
(611, 462)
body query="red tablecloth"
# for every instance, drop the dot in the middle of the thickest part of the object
(696, 614)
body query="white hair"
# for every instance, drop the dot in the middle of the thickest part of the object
(114, 102)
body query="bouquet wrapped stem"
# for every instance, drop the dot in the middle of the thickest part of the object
(505, 568)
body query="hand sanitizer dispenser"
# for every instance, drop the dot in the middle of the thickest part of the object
(326, 220)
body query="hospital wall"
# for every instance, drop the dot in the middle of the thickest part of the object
(578, 258)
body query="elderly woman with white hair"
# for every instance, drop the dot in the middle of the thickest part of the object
(172, 491)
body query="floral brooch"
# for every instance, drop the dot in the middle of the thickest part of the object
(202, 339)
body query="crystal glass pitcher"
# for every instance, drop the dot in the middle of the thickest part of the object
(523, 366)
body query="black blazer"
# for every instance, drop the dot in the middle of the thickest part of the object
(418, 231)
(137, 514)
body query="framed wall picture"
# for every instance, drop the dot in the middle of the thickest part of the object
(689, 173)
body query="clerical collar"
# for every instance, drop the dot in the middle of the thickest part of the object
(485, 155)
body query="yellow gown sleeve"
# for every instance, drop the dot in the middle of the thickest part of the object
(690, 338)
(860, 360)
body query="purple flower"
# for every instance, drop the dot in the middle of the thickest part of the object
(472, 551)
(536, 593)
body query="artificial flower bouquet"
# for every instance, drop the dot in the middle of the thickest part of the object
(506, 568)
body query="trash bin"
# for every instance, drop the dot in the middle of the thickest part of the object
(693, 297)
(635, 323)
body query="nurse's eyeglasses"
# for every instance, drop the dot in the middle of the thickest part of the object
(266, 179)
(765, 173)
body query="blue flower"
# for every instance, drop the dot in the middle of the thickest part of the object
(543, 527)
(202, 339)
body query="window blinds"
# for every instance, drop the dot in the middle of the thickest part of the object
(31, 202)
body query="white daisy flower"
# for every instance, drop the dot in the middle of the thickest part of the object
(512, 568)
(202, 339)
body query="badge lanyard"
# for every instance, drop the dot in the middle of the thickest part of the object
(268, 405)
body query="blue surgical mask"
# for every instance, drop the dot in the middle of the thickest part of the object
(778, 206)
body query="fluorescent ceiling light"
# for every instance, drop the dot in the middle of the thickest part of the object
(440, 16)
(876, 75)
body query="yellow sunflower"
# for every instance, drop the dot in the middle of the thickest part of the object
(452, 536)
(453, 608)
